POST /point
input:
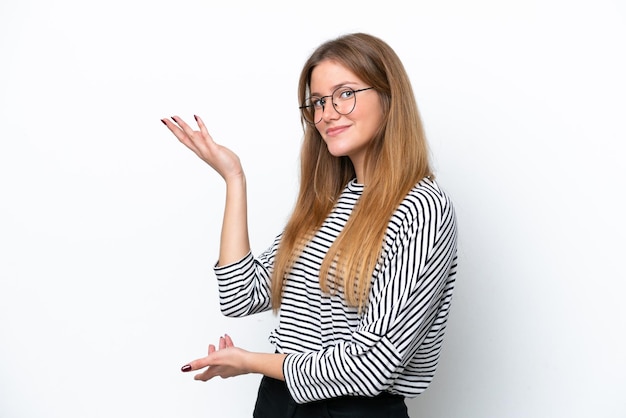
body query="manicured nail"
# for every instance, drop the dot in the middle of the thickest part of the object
(162, 120)
(195, 117)
(186, 368)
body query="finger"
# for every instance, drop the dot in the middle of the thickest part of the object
(228, 340)
(205, 375)
(173, 124)
(200, 141)
(196, 364)
(184, 126)
(172, 127)
(208, 143)
(212, 359)
(222, 343)
(202, 126)
(211, 348)
(180, 134)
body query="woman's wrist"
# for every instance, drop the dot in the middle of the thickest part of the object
(270, 365)
(238, 179)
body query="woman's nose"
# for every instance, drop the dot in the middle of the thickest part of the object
(329, 112)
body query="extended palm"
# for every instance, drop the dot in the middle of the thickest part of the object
(220, 158)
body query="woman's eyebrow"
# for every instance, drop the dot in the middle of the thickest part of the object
(333, 88)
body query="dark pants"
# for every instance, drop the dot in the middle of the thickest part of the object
(274, 401)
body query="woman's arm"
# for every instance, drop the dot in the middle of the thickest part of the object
(234, 242)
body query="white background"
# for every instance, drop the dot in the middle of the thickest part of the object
(109, 227)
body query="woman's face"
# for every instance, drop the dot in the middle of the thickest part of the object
(346, 135)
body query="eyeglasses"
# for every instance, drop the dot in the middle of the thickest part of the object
(343, 100)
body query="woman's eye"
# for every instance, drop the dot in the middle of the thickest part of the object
(346, 94)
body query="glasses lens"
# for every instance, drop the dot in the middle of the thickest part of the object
(309, 112)
(344, 100)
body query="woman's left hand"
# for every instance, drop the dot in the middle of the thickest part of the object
(226, 361)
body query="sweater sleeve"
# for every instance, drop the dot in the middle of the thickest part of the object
(402, 327)
(244, 286)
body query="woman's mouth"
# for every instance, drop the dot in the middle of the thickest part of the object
(336, 130)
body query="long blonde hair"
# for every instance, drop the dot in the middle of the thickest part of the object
(396, 160)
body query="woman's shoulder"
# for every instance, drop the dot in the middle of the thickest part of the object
(427, 188)
(427, 196)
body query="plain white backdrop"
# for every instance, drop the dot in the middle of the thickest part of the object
(109, 227)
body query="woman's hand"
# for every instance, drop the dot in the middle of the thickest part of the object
(230, 361)
(220, 158)
(226, 361)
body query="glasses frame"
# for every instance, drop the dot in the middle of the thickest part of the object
(323, 102)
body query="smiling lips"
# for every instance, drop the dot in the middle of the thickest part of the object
(336, 130)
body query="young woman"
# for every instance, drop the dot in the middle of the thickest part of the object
(363, 273)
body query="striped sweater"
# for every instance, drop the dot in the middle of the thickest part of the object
(394, 344)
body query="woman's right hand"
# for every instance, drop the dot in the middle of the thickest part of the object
(220, 158)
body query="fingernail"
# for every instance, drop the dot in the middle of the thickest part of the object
(186, 368)
(162, 120)
(195, 117)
